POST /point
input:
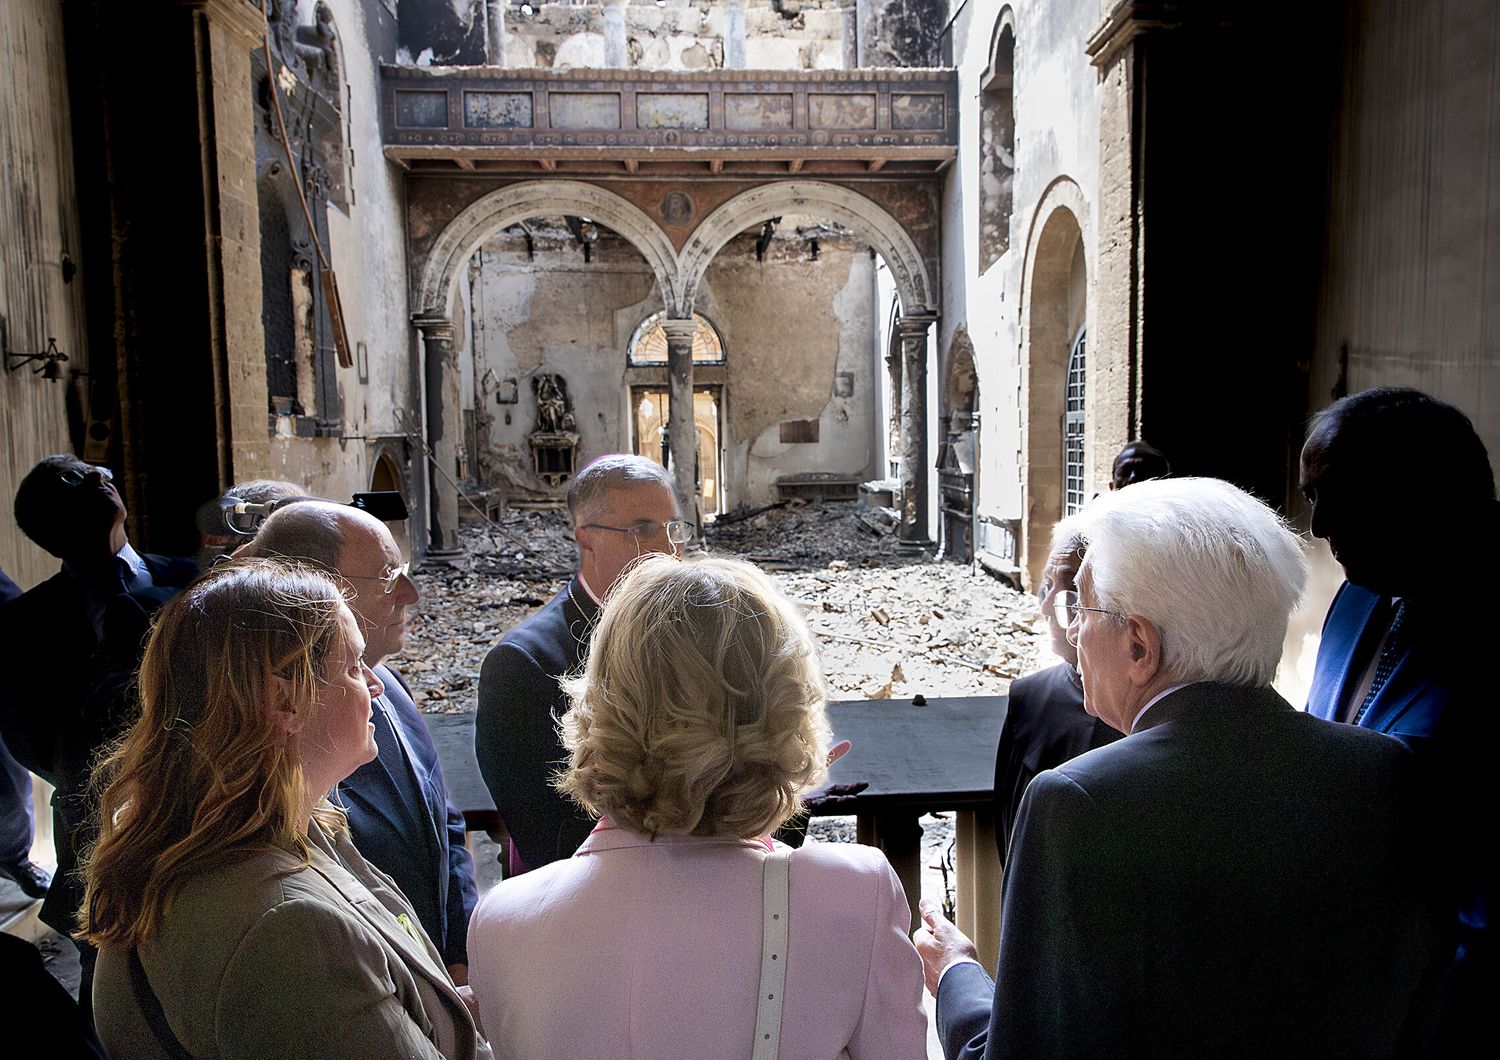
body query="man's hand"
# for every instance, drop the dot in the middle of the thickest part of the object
(831, 795)
(940, 943)
(466, 992)
(459, 973)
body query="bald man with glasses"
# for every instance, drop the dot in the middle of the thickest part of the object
(400, 815)
(622, 508)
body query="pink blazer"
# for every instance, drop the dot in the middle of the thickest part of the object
(641, 950)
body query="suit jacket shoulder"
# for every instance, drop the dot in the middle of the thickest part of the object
(267, 956)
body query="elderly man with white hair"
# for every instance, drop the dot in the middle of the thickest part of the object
(1234, 878)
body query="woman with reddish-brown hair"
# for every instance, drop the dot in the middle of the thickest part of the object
(233, 916)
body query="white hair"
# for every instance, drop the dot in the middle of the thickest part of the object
(1216, 571)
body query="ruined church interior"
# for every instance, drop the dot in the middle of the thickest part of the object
(884, 286)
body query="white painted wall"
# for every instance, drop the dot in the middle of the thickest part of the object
(1057, 138)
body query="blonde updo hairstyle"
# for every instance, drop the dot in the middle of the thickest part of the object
(701, 708)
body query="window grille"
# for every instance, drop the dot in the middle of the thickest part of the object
(1073, 477)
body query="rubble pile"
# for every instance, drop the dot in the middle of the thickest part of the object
(796, 533)
(886, 626)
(938, 629)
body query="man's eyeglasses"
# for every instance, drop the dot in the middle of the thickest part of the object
(679, 531)
(390, 579)
(77, 476)
(1065, 607)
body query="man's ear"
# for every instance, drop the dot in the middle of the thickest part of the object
(286, 719)
(1145, 649)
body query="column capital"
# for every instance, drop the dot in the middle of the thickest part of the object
(434, 326)
(1129, 19)
(681, 330)
(915, 325)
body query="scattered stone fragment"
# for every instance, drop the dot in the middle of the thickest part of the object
(886, 625)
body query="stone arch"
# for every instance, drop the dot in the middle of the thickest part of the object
(449, 254)
(961, 379)
(819, 199)
(1058, 235)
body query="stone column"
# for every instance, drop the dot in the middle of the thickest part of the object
(682, 431)
(734, 35)
(444, 418)
(913, 333)
(893, 420)
(615, 55)
(494, 32)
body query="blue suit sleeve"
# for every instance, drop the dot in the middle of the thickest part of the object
(462, 891)
(964, 1000)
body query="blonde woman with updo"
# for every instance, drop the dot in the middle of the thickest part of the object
(694, 730)
(233, 916)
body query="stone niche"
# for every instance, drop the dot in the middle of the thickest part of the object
(554, 443)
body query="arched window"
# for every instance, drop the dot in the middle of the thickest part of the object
(997, 143)
(648, 345)
(1073, 477)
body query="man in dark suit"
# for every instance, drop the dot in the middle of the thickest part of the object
(17, 821)
(55, 635)
(1045, 723)
(622, 507)
(1405, 650)
(400, 815)
(1172, 894)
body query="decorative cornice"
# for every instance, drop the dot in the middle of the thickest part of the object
(666, 78)
(1130, 19)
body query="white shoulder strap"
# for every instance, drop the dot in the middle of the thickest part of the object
(774, 889)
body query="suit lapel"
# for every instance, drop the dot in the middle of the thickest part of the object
(419, 955)
(1346, 636)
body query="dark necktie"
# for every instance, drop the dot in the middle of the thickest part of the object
(1389, 656)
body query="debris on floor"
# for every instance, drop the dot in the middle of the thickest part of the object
(887, 626)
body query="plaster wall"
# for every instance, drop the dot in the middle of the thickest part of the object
(552, 314)
(1057, 106)
(38, 216)
(789, 324)
(680, 35)
(367, 245)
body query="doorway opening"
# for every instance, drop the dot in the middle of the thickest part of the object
(648, 405)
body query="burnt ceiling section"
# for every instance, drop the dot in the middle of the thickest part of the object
(443, 31)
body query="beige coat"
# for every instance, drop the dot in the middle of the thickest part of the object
(264, 957)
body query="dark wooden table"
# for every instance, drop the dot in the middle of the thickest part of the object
(916, 759)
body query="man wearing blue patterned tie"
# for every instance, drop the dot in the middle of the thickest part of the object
(1404, 644)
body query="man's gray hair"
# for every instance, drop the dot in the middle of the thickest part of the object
(1213, 569)
(605, 473)
(309, 531)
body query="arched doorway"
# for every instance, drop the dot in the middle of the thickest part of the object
(958, 457)
(646, 364)
(1055, 317)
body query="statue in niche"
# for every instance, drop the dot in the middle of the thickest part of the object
(555, 440)
(554, 410)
